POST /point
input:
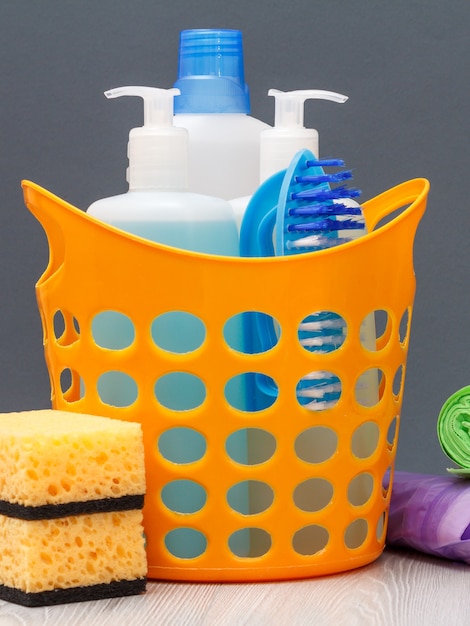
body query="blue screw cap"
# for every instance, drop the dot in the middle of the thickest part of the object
(211, 75)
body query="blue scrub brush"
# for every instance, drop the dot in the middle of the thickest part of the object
(313, 214)
(314, 211)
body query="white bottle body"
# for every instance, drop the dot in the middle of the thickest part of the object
(224, 151)
(279, 146)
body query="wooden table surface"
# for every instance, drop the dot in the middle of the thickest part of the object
(401, 588)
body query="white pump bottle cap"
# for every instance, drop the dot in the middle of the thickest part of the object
(157, 151)
(280, 143)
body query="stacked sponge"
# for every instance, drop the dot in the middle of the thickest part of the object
(71, 496)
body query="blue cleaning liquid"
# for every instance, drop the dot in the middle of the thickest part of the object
(178, 332)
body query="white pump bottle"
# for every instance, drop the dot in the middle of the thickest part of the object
(158, 205)
(279, 144)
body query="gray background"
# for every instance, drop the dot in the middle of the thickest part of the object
(405, 66)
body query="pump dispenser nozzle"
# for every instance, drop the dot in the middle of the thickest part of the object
(280, 143)
(157, 151)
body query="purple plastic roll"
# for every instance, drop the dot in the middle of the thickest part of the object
(430, 514)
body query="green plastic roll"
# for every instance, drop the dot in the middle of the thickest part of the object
(453, 430)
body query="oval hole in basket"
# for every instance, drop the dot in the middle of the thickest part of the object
(251, 391)
(360, 489)
(182, 445)
(117, 389)
(403, 330)
(251, 332)
(365, 440)
(185, 543)
(386, 482)
(313, 494)
(392, 432)
(316, 444)
(184, 496)
(250, 497)
(310, 540)
(367, 387)
(375, 330)
(356, 534)
(58, 323)
(319, 390)
(180, 391)
(112, 330)
(178, 332)
(397, 385)
(250, 446)
(71, 385)
(65, 327)
(250, 542)
(76, 325)
(380, 528)
(65, 380)
(322, 332)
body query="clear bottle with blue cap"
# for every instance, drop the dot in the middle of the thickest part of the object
(214, 106)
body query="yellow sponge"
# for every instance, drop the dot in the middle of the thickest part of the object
(71, 494)
(54, 457)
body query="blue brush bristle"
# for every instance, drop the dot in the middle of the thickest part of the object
(325, 178)
(325, 209)
(326, 162)
(323, 195)
(325, 224)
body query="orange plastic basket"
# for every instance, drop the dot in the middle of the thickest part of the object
(314, 479)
